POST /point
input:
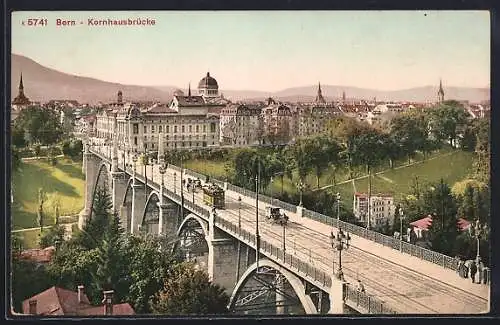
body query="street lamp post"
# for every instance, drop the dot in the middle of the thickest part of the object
(301, 188)
(338, 207)
(272, 179)
(257, 235)
(239, 212)
(401, 217)
(175, 183)
(477, 232)
(340, 242)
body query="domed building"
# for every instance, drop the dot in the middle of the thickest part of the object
(208, 86)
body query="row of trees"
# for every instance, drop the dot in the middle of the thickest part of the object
(141, 270)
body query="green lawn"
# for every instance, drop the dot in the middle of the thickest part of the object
(214, 169)
(30, 238)
(64, 183)
(451, 165)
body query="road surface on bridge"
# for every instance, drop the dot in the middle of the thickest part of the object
(405, 283)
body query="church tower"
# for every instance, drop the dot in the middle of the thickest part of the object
(319, 96)
(440, 92)
(343, 96)
(21, 99)
(120, 97)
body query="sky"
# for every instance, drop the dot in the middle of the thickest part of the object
(266, 50)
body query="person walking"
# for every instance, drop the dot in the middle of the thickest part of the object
(361, 287)
(473, 271)
(480, 270)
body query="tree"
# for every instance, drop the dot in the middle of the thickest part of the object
(53, 237)
(41, 200)
(15, 160)
(409, 133)
(41, 125)
(189, 291)
(302, 151)
(148, 270)
(447, 120)
(439, 202)
(18, 139)
(473, 200)
(28, 279)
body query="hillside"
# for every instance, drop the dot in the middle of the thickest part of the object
(42, 84)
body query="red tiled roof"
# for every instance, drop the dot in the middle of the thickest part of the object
(118, 309)
(423, 223)
(426, 222)
(59, 301)
(38, 255)
(56, 301)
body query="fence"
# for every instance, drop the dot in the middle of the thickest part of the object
(363, 301)
(413, 250)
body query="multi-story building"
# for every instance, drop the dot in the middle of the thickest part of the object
(187, 122)
(382, 209)
(313, 119)
(241, 125)
(278, 123)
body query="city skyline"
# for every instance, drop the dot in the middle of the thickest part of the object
(403, 49)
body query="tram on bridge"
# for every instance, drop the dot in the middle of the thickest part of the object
(213, 195)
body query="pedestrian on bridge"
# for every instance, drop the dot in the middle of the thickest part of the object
(360, 286)
(473, 271)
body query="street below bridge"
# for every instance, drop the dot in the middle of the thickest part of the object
(405, 283)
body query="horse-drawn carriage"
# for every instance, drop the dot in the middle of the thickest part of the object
(213, 195)
(276, 215)
(193, 185)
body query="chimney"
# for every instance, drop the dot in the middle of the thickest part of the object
(108, 302)
(80, 293)
(32, 309)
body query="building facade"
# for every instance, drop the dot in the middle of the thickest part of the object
(241, 125)
(187, 122)
(278, 122)
(382, 209)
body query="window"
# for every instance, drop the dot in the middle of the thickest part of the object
(175, 128)
(145, 139)
(135, 129)
(135, 140)
(212, 127)
(197, 129)
(167, 129)
(152, 129)
(159, 129)
(153, 145)
(145, 129)
(204, 128)
(145, 146)
(183, 129)
(190, 129)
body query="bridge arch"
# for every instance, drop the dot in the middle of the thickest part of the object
(203, 224)
(103, 179)
(292, 279)
(151, 215)
(192, 240)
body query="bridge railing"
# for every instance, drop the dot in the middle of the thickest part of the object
(413, 250)
(262, 197)
(363, 301)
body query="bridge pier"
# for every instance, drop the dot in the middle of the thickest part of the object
(119, 187)
(91, 163)
(222, 257)
(138, 205)
(337, 305)
(168, 220)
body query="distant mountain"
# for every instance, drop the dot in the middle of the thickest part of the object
(43, 84)
(420, 94)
